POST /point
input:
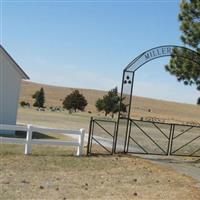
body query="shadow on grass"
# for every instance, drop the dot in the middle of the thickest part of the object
(175, 159)
(53, 154)
(22, 134)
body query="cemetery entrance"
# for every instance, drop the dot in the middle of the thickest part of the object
(128, 135)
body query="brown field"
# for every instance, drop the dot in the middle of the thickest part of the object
(163, 111)
(54, 173)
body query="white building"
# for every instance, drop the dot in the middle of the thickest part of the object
(10, 83)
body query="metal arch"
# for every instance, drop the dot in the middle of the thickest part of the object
(129, 71)
(131, 64)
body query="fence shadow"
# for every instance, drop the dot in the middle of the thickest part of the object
(22, 134)
(174, 159)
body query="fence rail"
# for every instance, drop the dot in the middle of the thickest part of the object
(28, 141)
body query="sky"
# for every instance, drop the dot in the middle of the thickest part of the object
(87, 44)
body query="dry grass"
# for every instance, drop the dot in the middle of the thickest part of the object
(161, 110)
(53, 119)
(53, 173)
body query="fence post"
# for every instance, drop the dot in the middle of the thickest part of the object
(28, 140)
(81, 142)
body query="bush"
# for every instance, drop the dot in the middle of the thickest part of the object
(23, 104)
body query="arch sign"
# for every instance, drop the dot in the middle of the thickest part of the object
(162, 51)
(133, 66)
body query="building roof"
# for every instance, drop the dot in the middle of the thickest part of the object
(17, 67)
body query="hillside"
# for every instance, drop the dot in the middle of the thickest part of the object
(147, 108)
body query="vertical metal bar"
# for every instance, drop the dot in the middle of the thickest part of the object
(129, 136)
(89, 136)
(113, 146)
(172, 138)
(130, 101)
(117, 129)
(169, 140)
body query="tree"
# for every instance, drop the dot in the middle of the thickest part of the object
(185, 70)
(110, 103)
(100, 105)
(39, 97)
(198, 101)
(75, 101)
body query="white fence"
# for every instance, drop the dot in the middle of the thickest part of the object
(28, 141)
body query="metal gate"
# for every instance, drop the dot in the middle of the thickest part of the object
(143, 137)
(186, 140)
(155, 138)
(149, 138)
(101, 139)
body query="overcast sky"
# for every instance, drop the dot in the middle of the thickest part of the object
(87, 44)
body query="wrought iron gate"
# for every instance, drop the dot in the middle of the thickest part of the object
(149, 138)
(101, 139)
(143, 137)
(185, 140)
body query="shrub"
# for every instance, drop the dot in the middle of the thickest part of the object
(22, 103)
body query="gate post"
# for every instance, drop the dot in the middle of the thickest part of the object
(126, 96)
(89, 137)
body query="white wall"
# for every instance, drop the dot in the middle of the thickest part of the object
(10, 81)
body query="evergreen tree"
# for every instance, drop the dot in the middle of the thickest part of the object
(198, 101)
(75, 101)
(185, 70)
(110, 103)
(39, 97)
